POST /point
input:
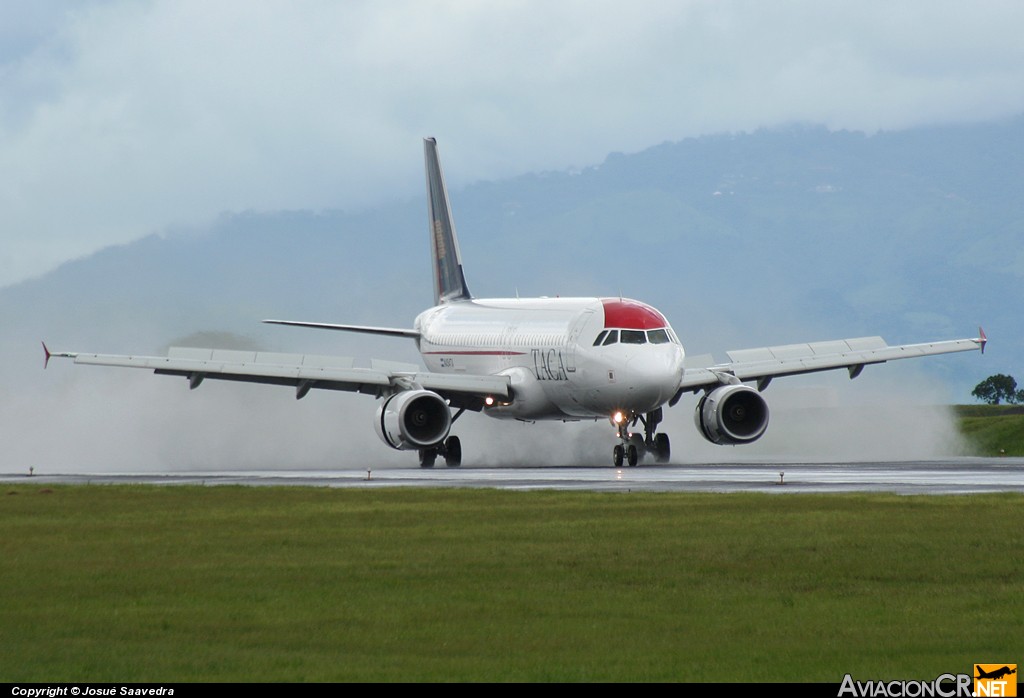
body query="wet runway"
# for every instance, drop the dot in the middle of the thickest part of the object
(958, 476)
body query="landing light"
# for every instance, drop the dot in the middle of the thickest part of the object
(488, 400)
(618, 418)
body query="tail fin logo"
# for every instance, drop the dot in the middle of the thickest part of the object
(439, 246)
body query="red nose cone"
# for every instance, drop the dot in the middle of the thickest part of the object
(631, 315)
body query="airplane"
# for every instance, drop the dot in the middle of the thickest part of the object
(995, 674)
(528, 359)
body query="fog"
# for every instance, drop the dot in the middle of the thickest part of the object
(821, 419)
(87, 419)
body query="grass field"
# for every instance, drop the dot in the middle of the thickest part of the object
(175, 583)
(993, 430)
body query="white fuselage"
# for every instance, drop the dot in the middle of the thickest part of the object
(567, 358)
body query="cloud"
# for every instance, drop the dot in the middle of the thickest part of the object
(118, 119)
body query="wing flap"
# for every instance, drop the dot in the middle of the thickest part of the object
(232, 356)
(803, 351)
(237, 365)
(305, 371)
(794, 359)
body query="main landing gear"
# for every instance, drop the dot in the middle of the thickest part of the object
(450, 450)
(632, 447)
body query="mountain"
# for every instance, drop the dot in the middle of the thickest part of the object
(778, 236)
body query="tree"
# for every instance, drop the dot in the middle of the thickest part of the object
(996, 388)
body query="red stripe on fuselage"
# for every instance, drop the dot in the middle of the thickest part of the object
(631, 315)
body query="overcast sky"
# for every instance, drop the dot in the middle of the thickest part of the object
(120, 119)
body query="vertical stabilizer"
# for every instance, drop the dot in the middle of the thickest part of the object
(449, 282)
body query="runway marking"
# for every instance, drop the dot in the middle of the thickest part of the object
(960, 476)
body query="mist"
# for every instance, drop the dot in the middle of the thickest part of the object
(115, 420)
(86, 419)
(820, 419)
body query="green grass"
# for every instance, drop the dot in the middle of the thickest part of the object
(134, 583)
(993, 430)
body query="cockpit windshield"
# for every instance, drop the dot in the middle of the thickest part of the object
(659, 336)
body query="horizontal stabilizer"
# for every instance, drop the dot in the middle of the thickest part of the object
(388, 331)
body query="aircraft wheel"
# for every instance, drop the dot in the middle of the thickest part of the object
(632, 455)
(662, 448)
(427, 456)
(453, 452)
(617, 455)
(636, 442)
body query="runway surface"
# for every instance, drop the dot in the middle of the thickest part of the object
(959, 476)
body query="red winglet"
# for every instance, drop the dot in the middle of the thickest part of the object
(982, 339)
(46, 361)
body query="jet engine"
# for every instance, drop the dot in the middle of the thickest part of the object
(413, 419)
(732, 414)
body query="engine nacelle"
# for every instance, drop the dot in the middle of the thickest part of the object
(732, 414)
(413, 419)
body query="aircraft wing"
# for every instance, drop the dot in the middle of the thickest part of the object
(305, 372)
(765, 363)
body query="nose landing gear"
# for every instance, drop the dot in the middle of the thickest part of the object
(632, 447)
